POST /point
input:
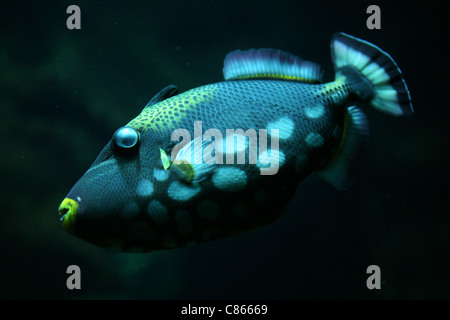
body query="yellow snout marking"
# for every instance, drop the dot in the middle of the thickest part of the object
(68, 212)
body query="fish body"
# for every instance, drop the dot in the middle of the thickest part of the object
(227, 157)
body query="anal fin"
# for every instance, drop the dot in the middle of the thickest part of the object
(354, 139)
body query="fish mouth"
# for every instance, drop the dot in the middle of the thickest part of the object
(68, 210)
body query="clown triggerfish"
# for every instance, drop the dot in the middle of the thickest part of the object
(227, 157)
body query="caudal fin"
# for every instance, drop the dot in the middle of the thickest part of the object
(372, 74)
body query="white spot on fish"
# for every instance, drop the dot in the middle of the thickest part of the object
(229, 179)
(144, 188)
(130, 210)
(315, 112)
(261, 196)
(158, 212)
(160, 175)
(314, 140)
(239, 211)
(141, 232)
(184, 221)
(190, 243)
(208, 210)
(300, 163)
(136, 249)
(285, 127)
(169, 241)
(269, 157)
(182, 192)
(209, 232)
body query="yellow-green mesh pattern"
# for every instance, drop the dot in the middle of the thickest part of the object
(170, 112)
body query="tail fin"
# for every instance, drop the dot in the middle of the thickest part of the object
(372, 73)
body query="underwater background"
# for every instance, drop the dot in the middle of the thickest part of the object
(64, 92)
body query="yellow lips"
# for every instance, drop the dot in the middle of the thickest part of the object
(68, 212)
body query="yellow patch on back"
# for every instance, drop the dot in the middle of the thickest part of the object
(169, 112)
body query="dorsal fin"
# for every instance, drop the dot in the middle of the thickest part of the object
(169, 91)
(269, 64)
(354, 139)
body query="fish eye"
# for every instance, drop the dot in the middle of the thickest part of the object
(125, 138)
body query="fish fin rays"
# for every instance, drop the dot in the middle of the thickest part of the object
(269, 64)
(189, 161)
(167, 92)
(372, 73)
(354, 139)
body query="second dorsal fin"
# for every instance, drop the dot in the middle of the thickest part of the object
(269, 64)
